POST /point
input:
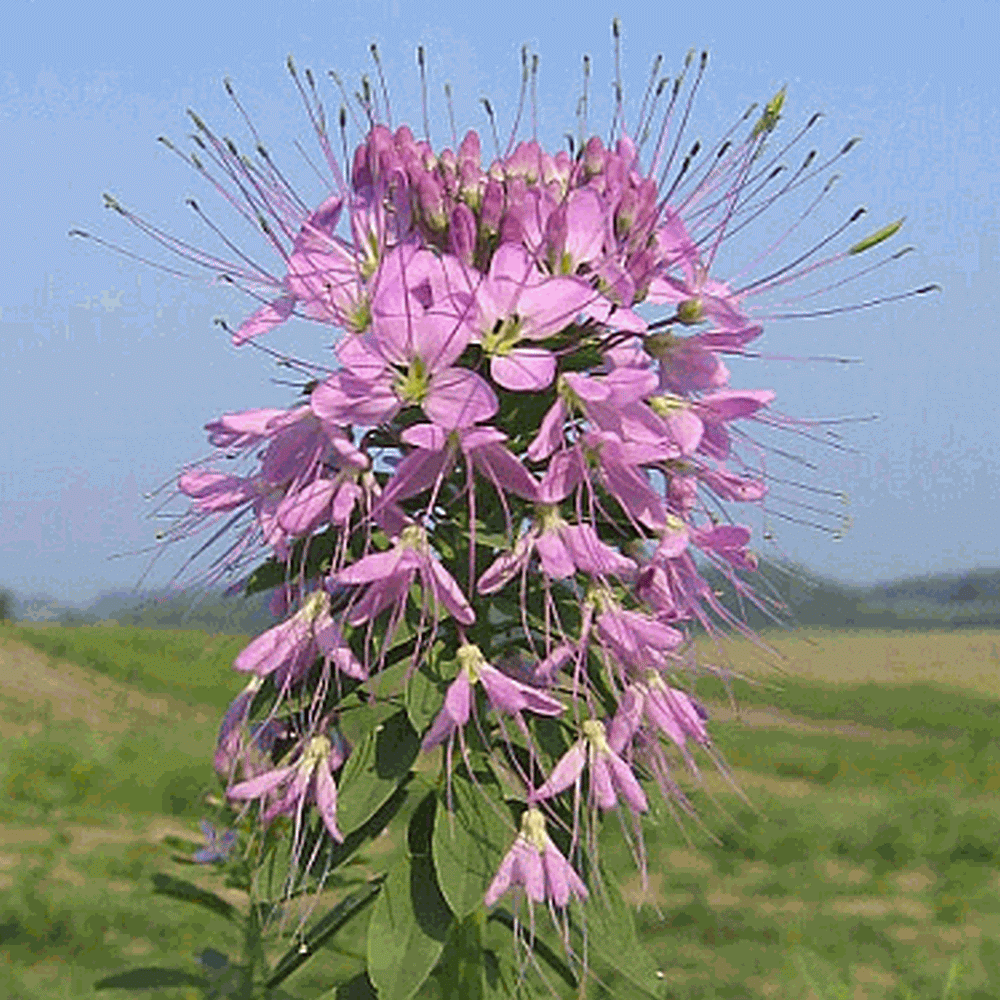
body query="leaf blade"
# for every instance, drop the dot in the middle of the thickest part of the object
(408, 929)
(324, 929)
(469, 842)
(375, 769)
(188, 892)
(150, 978)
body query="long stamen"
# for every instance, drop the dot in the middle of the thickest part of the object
(642, 126)
(883, 300)
(485, 101)
(678, 83)
(423, 91)
(520, 100)
(534, 96)
(703, 62)
(619, 113)
(768, 278)
(373, 48)
(451, 114)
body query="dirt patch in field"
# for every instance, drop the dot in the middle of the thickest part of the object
(960, 659)
(762, 716)
(36, 689)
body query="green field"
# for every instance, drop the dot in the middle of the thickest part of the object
(868, 865)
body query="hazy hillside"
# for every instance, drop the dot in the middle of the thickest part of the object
(946, 600)
(795, 595)
(211, 611)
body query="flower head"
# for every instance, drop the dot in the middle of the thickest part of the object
(537, 865)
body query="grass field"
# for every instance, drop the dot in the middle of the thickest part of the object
(868, 865)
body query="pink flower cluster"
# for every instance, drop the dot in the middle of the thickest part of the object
(506, 466)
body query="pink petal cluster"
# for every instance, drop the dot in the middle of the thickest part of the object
(502, 462)
(537, 865)
(309, 780)
(505, 694)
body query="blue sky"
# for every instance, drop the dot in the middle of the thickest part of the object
(108, 370)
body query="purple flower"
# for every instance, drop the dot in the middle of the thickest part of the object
(387, 577)
(308, 780)
(610, 776)
(535, 863)
(504, 693)
(673, 713)
(562, 548)
(218, 849)
(436, 450)
(515, 302)
(289, 649)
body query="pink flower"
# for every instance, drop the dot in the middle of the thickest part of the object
(387, 576)
(563, 550)
(308, 780)
(515, 303)
(619, 471)
(436, 450)
(504, 693)
(244, 749)
(610, 776)
(404, 361)
(289, 649)
(535, 863)
(672, 712)
(728, 541)
(634, 640)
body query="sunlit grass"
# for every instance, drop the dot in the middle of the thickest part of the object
(868, 865)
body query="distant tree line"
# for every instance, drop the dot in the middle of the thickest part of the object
(787, 595)
(791, 595)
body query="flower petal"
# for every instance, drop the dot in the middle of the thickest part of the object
(459, 398)
(565, 773)
(264, 319)
(524, 369)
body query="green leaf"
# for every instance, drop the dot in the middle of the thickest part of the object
(424, 699)
(611, 935)
(877, 237)
(167, 885)
(470, 841)
(265, 577)
(421, 827)
(375, 769)
(461, 972)
(322, 931)
(408, 929)
(358, 988)
(150, 978)
(274, 572)
(341, 853)
(538, 946)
